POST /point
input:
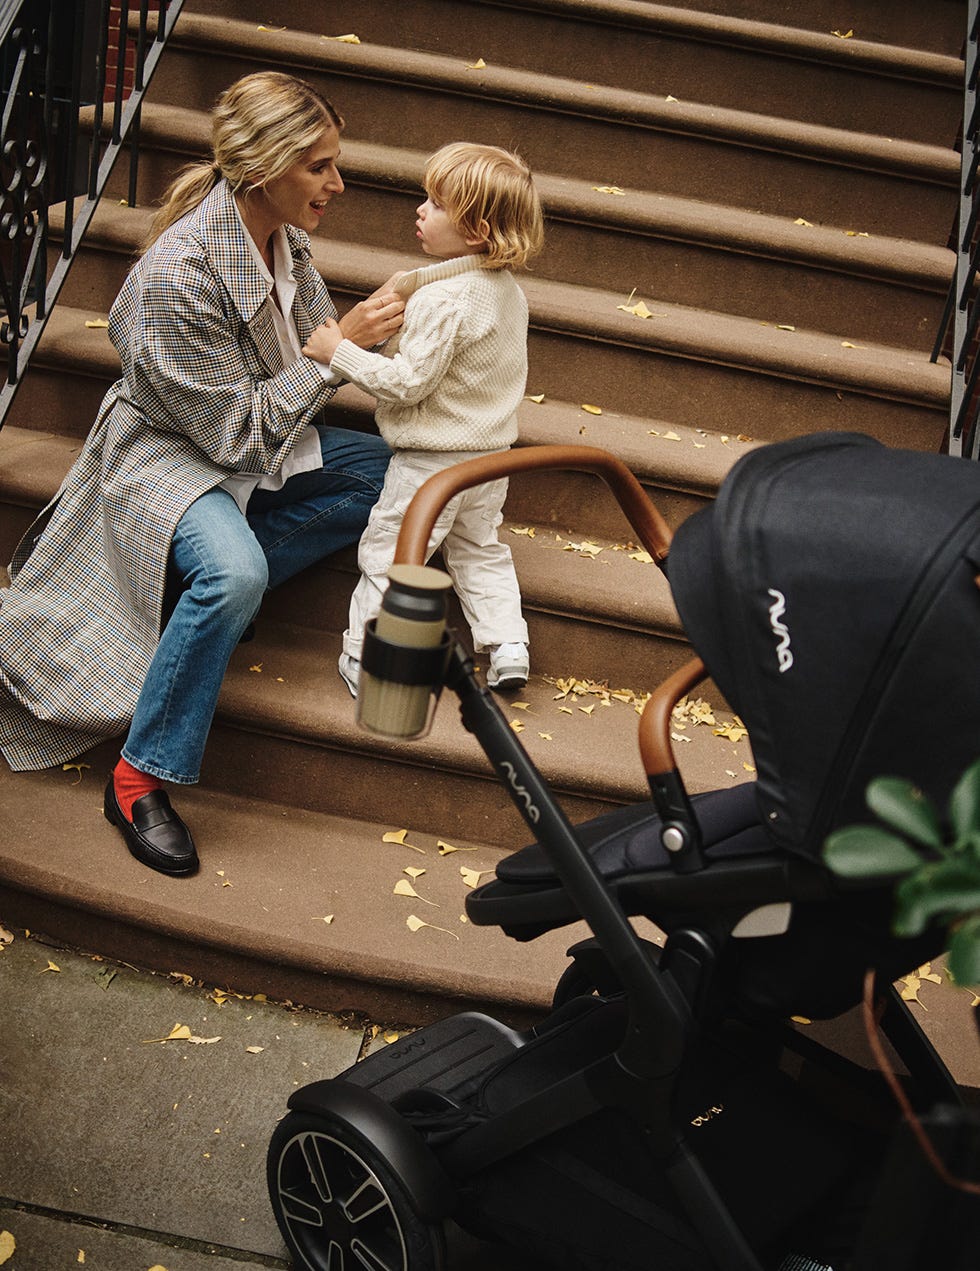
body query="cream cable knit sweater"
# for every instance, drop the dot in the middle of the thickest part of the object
(453, 376)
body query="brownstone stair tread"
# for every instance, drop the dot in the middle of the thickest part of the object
(635, 210)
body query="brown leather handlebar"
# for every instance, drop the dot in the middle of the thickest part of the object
(656, 751)
(432, 497)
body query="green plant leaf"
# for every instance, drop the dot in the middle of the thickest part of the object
(944, 888)
(903, 806)
(868, 851)
(964, 803)
(964, 952)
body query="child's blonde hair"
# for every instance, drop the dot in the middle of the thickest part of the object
(260, 126)
(489, 193)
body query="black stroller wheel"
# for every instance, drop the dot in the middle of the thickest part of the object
(338, 1204)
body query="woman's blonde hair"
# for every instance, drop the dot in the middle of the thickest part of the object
(260, 126)
(488, 193)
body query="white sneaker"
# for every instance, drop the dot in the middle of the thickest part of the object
(509, 666)
(350, 672)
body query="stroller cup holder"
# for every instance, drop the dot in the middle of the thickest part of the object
(640, 1122)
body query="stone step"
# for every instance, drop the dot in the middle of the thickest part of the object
(254, 919)
(596, 607)
(715, 371)
(783, 167)
(699, 254)
(771, 68)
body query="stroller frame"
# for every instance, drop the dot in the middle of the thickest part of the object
(397, 1122)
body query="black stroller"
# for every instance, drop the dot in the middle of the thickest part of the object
(666, 1116)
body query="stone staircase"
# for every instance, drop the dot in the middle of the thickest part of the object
(747, 226)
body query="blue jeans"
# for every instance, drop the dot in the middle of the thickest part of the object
(221, 564)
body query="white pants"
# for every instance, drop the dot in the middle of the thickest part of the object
(480, 566)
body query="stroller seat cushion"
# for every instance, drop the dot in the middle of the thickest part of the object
(627, 840)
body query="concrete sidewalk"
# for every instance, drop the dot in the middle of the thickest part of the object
(124, 1152)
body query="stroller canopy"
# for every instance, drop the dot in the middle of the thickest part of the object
(830, 590)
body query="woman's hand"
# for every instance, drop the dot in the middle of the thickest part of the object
(373, 320)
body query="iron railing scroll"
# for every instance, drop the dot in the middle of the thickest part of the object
(69, 107)
(963, 304)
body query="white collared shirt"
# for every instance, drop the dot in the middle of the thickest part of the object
(306, 455)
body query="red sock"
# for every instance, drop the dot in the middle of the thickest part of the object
(130, 784)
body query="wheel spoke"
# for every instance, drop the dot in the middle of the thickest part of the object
(370, 1259)
(365, 1200)
(335, 1257)
(310, 1146)
(299, 1210)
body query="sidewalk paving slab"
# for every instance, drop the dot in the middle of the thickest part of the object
(141, 1153)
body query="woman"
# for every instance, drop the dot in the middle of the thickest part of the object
(207, 478)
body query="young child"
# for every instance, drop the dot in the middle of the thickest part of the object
(448, 387)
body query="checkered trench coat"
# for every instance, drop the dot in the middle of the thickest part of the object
(203, 394)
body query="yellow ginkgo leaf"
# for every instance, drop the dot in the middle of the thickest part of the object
(445, 848)
(517, 725)
(643, 557)
(843, 35)
(414, 923)
(800, 221)
(537, 398)
(585, 548)
(342, 39)
(478, 65)
(527, 531)
(98, 324)
(52, 966)
(7, 1246)
(413, 871)
(254, 1050)
(404, 888)
(398, 836)
(591, 410)
(609, 189)
(179, 1032)
(471, 877)
(639, 310)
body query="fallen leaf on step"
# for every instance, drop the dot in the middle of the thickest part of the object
(679, 737)
(104, 977)
(846, 344)
(784, 326)
(342, 39)
(668, 98)
(99, 324)
(609, 189)
(800, 221)
(857, 233)
(526, 530)
(75, 767)
(517, 725)
(50, 967)
(404, 888)
(520, 706)
(398, 836)
(591, 410)
(733, 731)
(414, 923)
(585, 548)
(260, 27)
(6, 937)
(445, 848)
(471, 877)
(478, 65)
(413, 872)
(254, 1050)
(843, 35)
(391, 1036)
(643, 557)
(537, 398)
(327, 918)
(179, 1032)
(257, 667)
(639, 310)
(203, 1041)
(909, 992)
(925, 972)
(546, 736)
(81, 1256)
(7, 1246)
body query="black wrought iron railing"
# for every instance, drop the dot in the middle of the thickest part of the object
(73, 73)
(959, 332)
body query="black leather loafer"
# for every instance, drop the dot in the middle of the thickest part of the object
(157, 836)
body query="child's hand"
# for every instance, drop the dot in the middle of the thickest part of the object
(322, 344)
